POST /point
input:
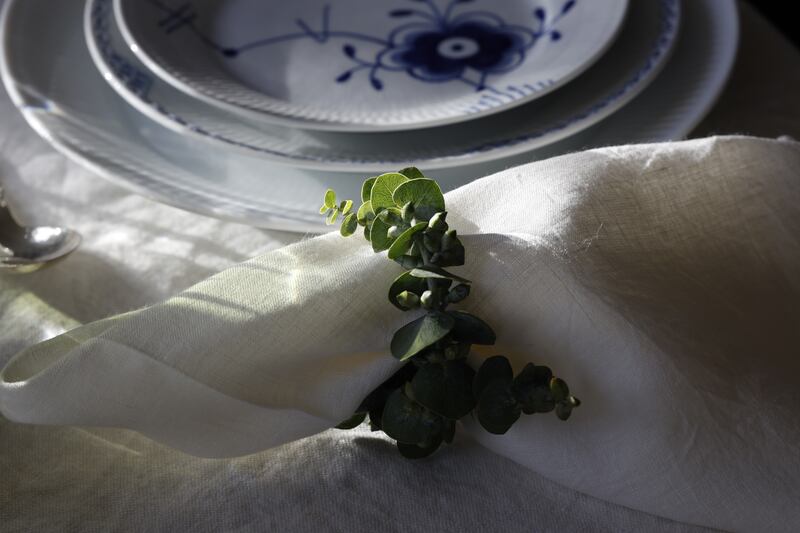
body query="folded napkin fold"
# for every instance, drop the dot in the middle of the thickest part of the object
(661, 281)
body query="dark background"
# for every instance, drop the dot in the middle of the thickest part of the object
(780, 12)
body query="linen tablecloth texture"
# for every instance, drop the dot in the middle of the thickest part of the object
(662, 281)
(137, 252)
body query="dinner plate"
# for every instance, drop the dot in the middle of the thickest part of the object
(641, 49)
(49, 75)
(369, 64)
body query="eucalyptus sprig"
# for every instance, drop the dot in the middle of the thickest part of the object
(404, 213)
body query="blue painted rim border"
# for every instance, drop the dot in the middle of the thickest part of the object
(140, 82)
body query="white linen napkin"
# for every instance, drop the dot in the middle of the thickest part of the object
(661, 281)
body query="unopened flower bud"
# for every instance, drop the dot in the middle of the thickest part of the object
(437, 221)
(408, 262)
(409, 300)
(449, 240)
(428, 300)
(407, 213)
(395, 232)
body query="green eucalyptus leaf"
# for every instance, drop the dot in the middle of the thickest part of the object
(433, 271)
(353, 421)
(532, 389)
(330, 199)
(445, 388)
(495, 368)
(471, 329)
(559, 389)
(409, 261)
(405, 282)
(405, 420)
(534, 375)
(390, 215)
(563, 411)
(379, 235)
(497, 408)
(324, 209)
(432, 240)
(375, 401)
(407, 212)
(534, 398)
(424, 193)
(382, 190)
(366, 189)
(346, 206)
(403, 243)
(421, 333)
(458, 293)
(365, 213)
(452, 250)
(368, 232)
(415, 451)
(349, 225)
(412, 173)
(333, 216)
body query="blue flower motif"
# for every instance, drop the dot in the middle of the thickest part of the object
(442, 46)
(443, 53)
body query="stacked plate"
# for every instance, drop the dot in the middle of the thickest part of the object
(250, 109)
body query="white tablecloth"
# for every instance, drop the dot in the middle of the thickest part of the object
(137, 252)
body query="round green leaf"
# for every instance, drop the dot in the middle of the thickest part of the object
(534, 375)
(346, 206)
(458, 293)
(493, 369)
(349, 225)
(471, 329)
(365, 213)
(382, 190)
(407, 421)
(379, 235)
(403, 243)
(497, 408)
(330, 199)
(424, 193)
(353, 421)
(415, 336)
(323, 210)
(333, 216)
(445, 388)
(534, 398)
(563, 411)
(366, 189)
(390, 215)
(433, 271)
(559, 389)
(412, 173)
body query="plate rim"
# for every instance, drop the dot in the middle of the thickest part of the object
(587, 113)
(333, 126)
(234, 210)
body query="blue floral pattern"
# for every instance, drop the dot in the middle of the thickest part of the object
(431, 45)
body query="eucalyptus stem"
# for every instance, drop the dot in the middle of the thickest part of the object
(404, 213)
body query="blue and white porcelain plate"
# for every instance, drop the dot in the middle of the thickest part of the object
(49, 74)
(633, 61)
(361, 65)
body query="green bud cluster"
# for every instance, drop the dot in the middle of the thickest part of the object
(404, 213)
